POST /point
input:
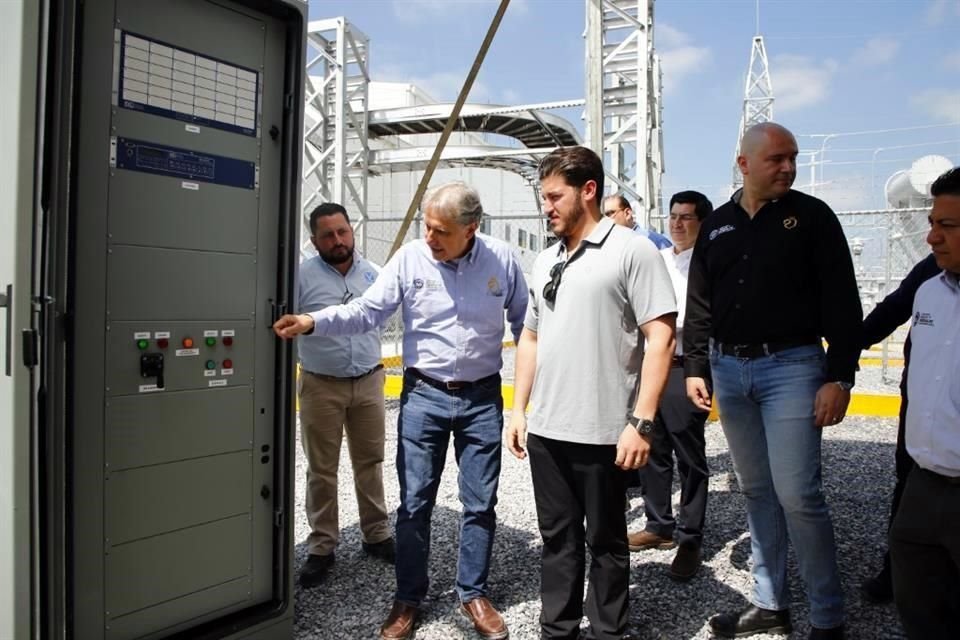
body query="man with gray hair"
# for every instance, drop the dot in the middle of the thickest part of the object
(452, 287)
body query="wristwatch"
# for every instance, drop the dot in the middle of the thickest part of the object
(846, 386)
(643, 426)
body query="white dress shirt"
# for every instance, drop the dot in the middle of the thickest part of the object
(678, 266)
(933, 379)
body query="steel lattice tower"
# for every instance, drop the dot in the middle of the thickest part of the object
(757, 99)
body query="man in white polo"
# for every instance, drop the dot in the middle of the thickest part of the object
(592, 295)
(925, 536)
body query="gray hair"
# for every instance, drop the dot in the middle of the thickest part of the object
(455, 199)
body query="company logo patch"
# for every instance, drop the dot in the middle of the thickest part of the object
(369, 276)
(790, 222)
(923, 318)
(493, 287)
(417, 283)
(722, 230)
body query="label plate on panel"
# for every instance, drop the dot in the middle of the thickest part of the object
(172, 82)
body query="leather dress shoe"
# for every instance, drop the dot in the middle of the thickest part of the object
(685, 564)
(751, 620)
(486, 621)
(315, 569)
(878, 589)
(648, 540)
(399, 624)
(384, 550)
(833, 633)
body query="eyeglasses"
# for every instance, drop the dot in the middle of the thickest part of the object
(612, 212)
(347, 296)
(685, 217)
(550, 289)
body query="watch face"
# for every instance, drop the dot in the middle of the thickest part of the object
(645, 427)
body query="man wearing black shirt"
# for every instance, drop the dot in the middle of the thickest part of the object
(771, 276)
(893, 311)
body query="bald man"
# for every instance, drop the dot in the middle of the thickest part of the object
(771, 277)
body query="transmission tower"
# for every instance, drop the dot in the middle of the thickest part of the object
(623, 99)
(757, 97)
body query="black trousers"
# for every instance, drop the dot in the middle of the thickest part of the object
(925, 549)
(571, 483)
(679, 429)
(903, 464)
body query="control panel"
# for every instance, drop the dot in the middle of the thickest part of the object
(186, 220)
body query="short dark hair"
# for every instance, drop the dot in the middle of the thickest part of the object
(577, 165)
(326, 209)
(701, 204)
(947, 184)
(621, 199)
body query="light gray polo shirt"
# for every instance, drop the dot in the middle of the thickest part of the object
(587, 340)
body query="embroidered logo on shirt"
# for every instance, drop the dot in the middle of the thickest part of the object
(493, 287)
(790, 223)
(369, 276)
(924, 318)
(434, 285)
(417, 283)
(724, 229)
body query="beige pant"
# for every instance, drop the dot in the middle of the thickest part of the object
(328, 408)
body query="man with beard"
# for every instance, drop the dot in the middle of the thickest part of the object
(771, 276)
(592, 295)
(341, 391)
(452, 288)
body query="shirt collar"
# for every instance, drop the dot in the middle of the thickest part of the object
(952, 280)
(598, 236)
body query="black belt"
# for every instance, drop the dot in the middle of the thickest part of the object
(453, 385)
(950, 480)
(324, 376)
(761, 349)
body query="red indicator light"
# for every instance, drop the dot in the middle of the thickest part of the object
(228, 341)
(228, 364)
(188, 343)
(163, 343)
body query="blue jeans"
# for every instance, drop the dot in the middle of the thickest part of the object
(766, 408)
(428, 416)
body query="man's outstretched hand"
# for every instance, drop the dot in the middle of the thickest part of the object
(290, 326)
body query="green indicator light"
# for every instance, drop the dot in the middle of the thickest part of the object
(211, 364)
(211, 342)
(142, 344)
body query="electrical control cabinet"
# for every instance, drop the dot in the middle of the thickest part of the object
(178, 430)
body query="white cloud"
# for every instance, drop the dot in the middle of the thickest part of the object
(952, 61)
(669, 36)
(799, 81)
(411, 11)
(942, 104)
(679, 58)
(876, 51)
(940, 10)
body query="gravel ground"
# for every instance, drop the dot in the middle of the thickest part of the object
(858, 474)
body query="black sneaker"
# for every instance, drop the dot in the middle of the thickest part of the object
(751, 620)
(834, 633)
(384, 550)
(878, 589)
(315, 569)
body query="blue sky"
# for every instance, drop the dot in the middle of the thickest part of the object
(838, 67)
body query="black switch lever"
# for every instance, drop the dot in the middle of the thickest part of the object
(151, 366)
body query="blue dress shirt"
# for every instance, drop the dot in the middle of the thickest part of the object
(453, 316)
(321, 285)
(662, 241)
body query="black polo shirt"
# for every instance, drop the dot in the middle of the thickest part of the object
(784, 276)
